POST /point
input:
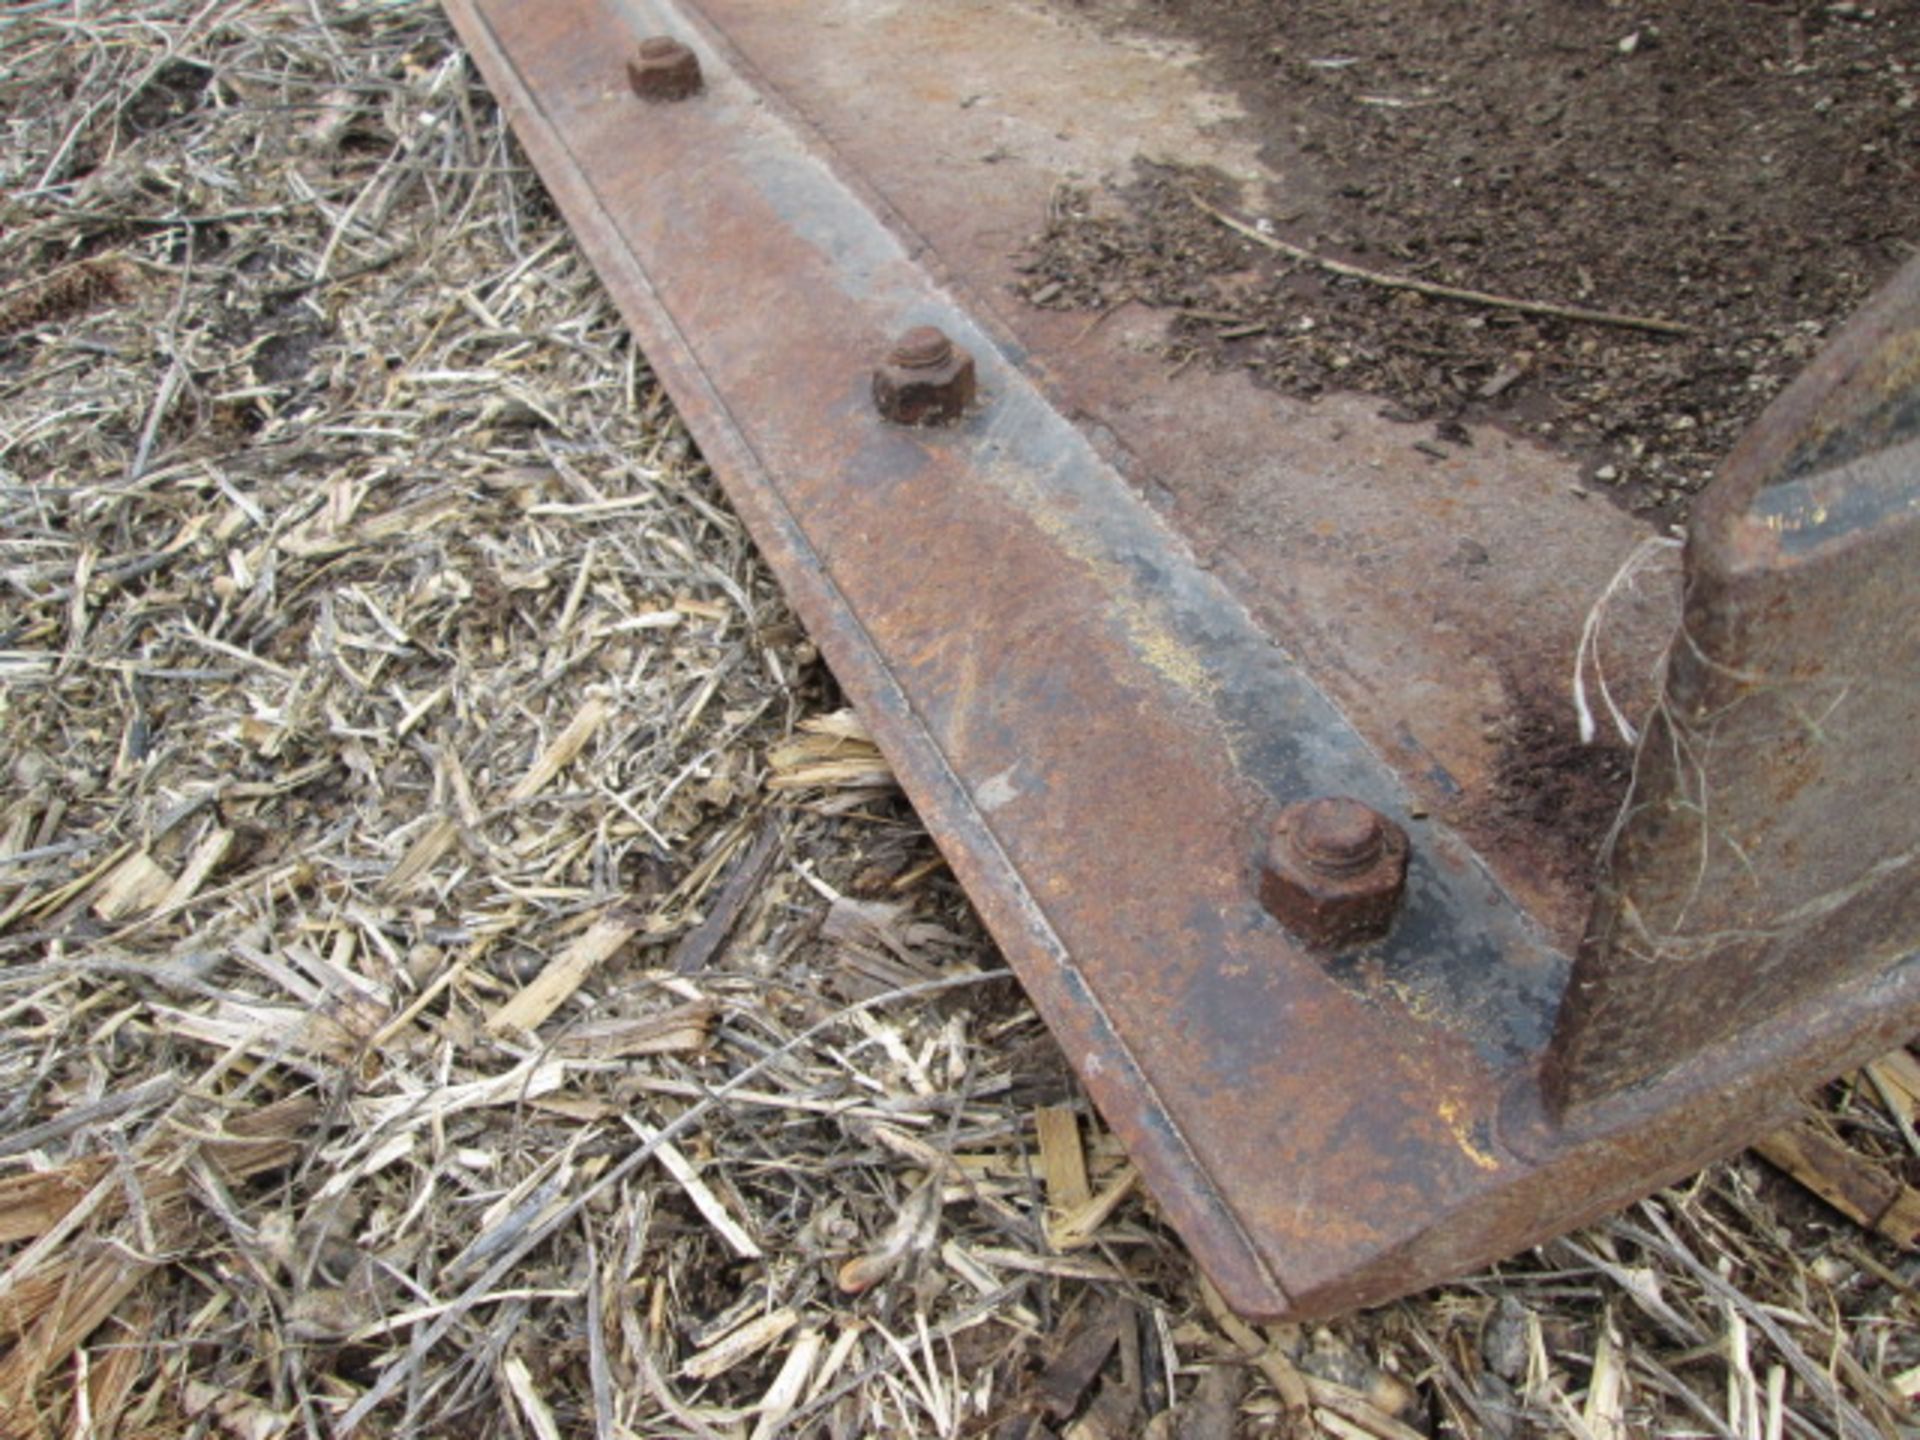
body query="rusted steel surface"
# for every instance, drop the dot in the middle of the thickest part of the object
(1772, 846)
(1436, 599)
(1106, 654)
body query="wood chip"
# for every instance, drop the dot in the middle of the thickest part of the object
(832, 752)
(740, 1345)
(698, 1191)
(204, 860)
(567, 971)
(422, 855)
(1062, 1385)
(1858, 1188)
(1899, 1071)
(1605, 1413)
(912, 1231)
(137, 884)
(1063, 1164)
(744, 880)
(561, 752)
(789, 1385)
(685, 1029)
(538, 1414)
(1214, 1411)
(1081, 1225)
(1287, 1381)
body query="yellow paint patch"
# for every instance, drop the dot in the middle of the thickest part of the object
(1152, 641)
(1455, 1116)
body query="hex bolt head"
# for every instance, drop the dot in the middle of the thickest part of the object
(925, 380)
(922, 348)
(664, 69)
(1338, 837)
(1334, 872)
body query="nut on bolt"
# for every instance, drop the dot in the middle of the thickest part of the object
(925, 380)
(664, 69)
(1334, 871)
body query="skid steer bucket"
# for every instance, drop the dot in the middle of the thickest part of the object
(1206, 696)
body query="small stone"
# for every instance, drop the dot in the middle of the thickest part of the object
(1504, 1344)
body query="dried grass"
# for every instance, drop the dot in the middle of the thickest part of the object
(462, 973)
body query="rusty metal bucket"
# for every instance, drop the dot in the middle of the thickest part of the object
(1194, 687)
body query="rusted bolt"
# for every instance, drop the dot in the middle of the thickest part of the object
(921, 348)
(1334, 871)
(664, 69)
(925, 380)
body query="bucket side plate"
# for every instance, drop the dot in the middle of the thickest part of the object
(1093, 722)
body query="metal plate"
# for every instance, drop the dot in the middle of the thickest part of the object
(1772, 849)
(1102, 651)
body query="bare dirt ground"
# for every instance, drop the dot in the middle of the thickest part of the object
(1747, 169)
(461, 970)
